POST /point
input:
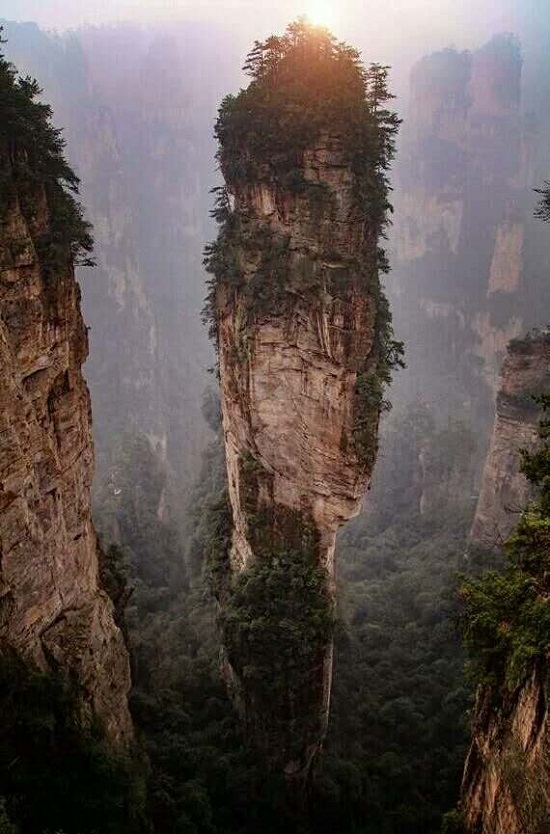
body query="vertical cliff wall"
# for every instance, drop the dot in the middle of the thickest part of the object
(137, 109)
(504, 489)
(304, 349)
(507, 624)
(506, 779)
(52, 609)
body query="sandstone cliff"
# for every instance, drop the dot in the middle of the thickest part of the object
(505, 789)
(507, 774)
(504, 489)
(304, 346)
(52, 609)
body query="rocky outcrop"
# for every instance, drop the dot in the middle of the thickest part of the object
(289, 382)
(52, 609)
(467, 249)
(504, 489)
(303, 335)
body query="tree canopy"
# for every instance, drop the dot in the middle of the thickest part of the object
(32, 156)
(305, 83)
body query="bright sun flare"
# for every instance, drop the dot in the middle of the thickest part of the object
(321, 12)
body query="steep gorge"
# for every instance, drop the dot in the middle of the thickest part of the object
(305, 347)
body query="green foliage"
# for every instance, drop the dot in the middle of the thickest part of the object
(506, 619)
(305, 83)
(31, 160)
(6, 826)
(397, 736)
(56, 772)
(217, 544)
(277, 622)
(507, 626)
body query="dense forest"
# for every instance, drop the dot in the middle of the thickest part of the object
(423, 618)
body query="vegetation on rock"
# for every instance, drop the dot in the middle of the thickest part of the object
(506, 617)
(56, 772)
(32, 163)
(306, 88)
(276, 623)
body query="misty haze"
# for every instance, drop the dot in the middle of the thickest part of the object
(274, 417)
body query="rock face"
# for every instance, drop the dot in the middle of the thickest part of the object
(505, 786)
(506, 779)
(504, 490)
(52, 609)
(304, 340)
(288, 382)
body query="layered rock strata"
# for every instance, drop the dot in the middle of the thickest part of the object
(52, 609)
(504, 489)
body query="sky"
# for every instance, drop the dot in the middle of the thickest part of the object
(396, 19)
(397, 32)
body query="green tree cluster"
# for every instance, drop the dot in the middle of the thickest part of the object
(397, 735)
(56, 772)
(32, 163)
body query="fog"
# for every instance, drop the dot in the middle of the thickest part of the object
(397, 32)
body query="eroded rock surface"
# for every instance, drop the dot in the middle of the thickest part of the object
(289, 378)
(505, 786)
(504, 489)
(52, 609)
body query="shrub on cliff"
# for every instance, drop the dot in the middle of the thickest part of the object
(506, 617)
(32, 158)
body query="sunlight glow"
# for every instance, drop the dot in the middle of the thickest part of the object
(321, 12)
